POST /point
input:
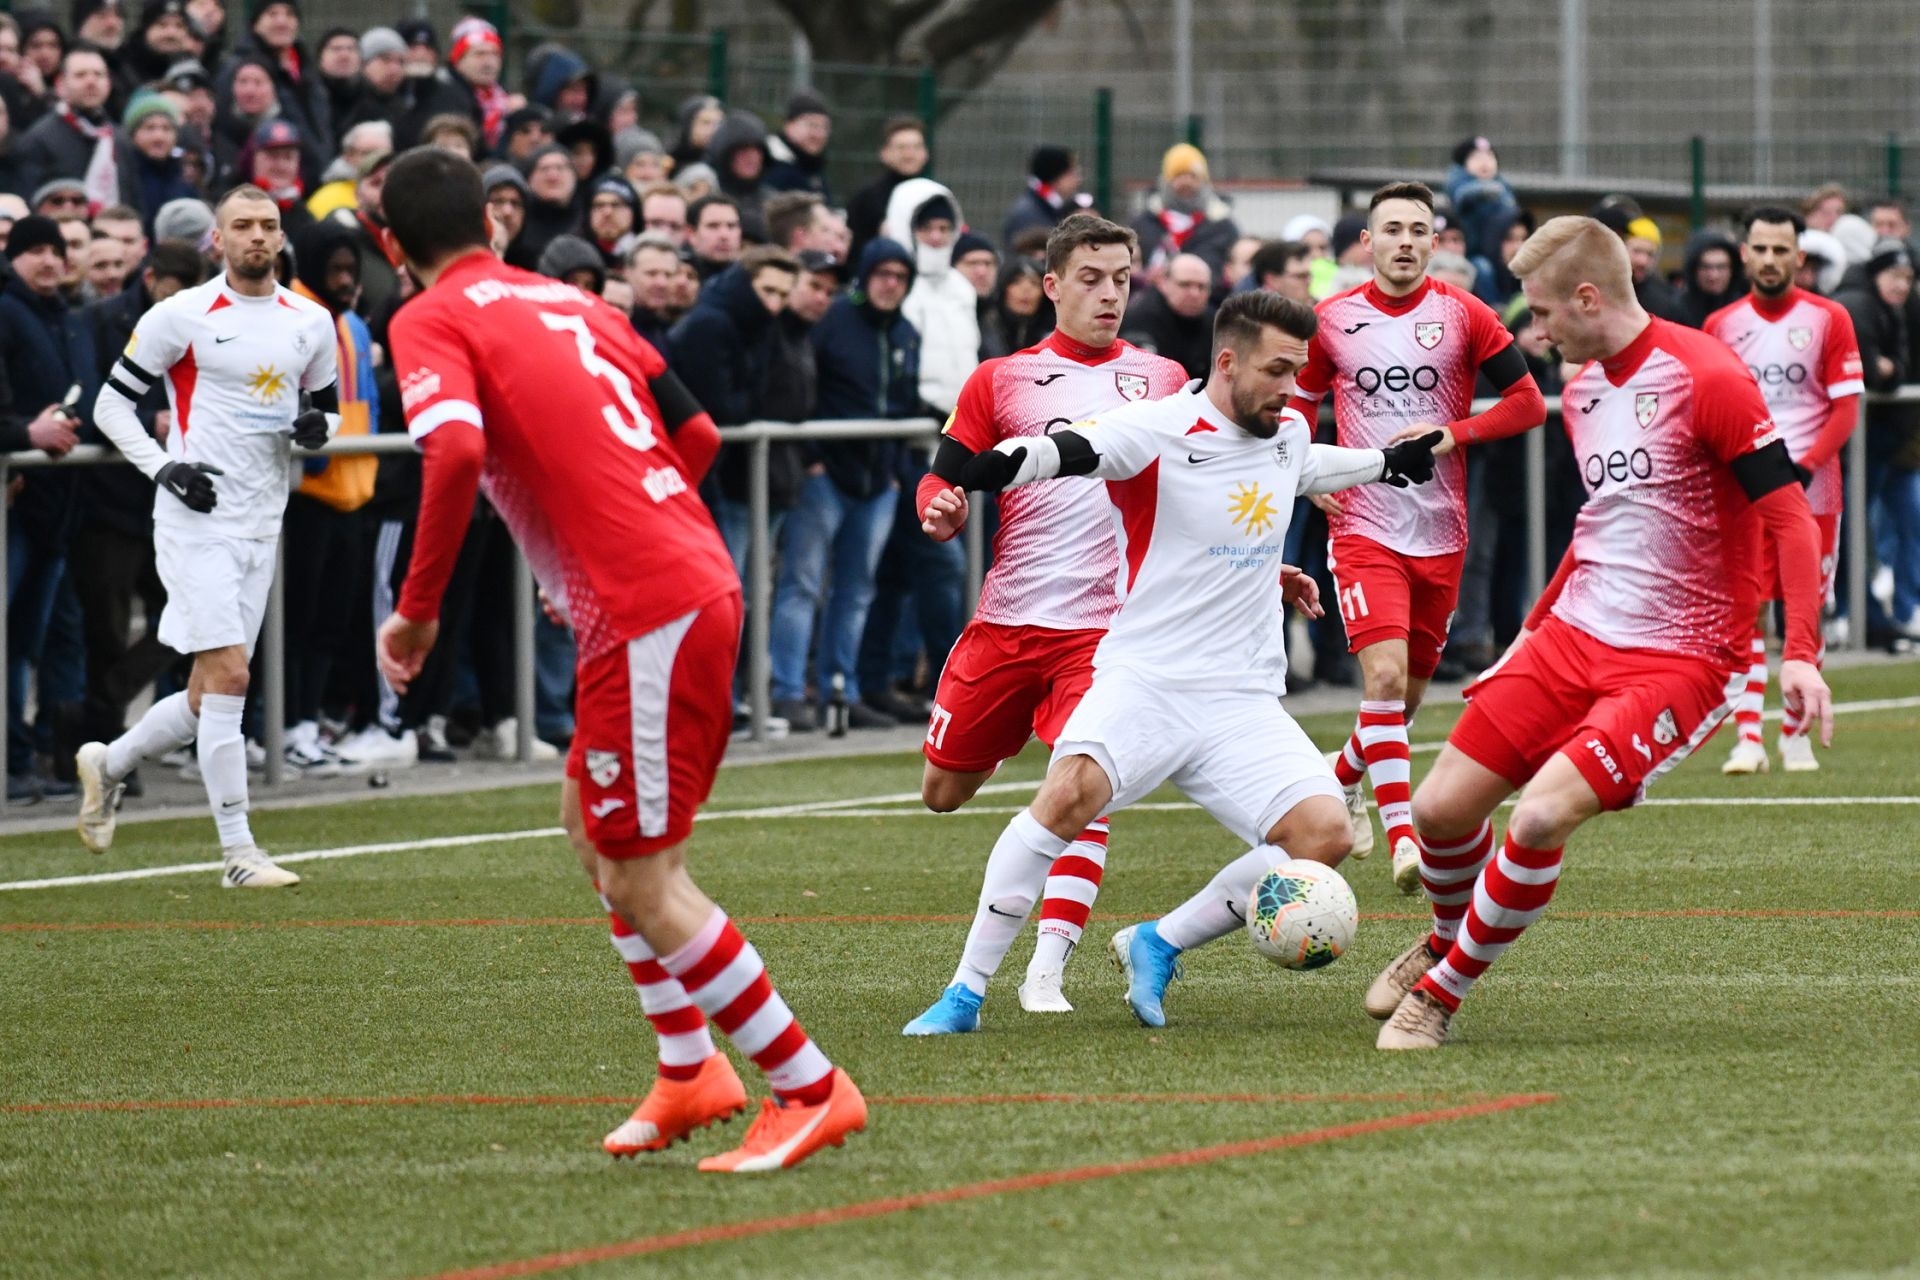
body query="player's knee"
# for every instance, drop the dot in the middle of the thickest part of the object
(1441, 819)
(944, 792)
(1542, 821)
(1315, 832)
(1075, 792)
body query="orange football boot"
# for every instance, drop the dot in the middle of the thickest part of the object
(674, 1109)
(782, 1136)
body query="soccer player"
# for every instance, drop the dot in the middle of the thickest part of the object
(1188, 679)
(1632, 657)
(1400, 355)
(1021, 665)
(591, 451)
(235, 353)
(1800, 348)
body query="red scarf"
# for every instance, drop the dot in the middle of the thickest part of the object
(493, 111)
(1180, 226)
(102, 178)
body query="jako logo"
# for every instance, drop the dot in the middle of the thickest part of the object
(1600, 752)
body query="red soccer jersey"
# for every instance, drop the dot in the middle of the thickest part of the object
(1800, 348)
(1666, 546)
(577, 458)
(1054, 558)
(1391, 363)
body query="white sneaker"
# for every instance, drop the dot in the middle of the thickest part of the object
(502, 742)
(99, 796)
(374, 748)
(309, 759)
(1356, 798)
(1406, 865)
(249, 868)
(256, 757)
(1746, 757)
(1796, 755)
(1880, 587)
(1040, 993)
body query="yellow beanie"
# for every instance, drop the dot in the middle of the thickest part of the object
(1644, 228)
(1182, 158)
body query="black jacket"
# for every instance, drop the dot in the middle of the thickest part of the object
(868, 208)
(742, 131)
(302, 102)
(52, 148)
(654, 328)
(1152, 325)
(44, 350)
(868, 366)
(112, 496)
(791, 169)
(720, 349)
(1695, 304)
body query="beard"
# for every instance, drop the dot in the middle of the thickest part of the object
(1772, 290)
(1247, 415)
(247, 269)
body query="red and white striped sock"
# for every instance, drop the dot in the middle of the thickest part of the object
(1510, 895)
(681, 1028)
(1383, 741)
(1351, 764)
(1448, 870)
(1753, 700)
(723, 976)
(1073, 882)
(1791, 725)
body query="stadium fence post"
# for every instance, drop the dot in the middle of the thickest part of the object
(1697, 164)
(273, 671)
(1197, 130)
(976, 553)
(1537, 512)
(717, 64)
(1893, 164)
(759, 585)
(1855, 520)
(926, 94)
(1103, 150)
(523, 679)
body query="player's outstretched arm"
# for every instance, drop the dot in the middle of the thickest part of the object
(1332, 468)
(1025, 459)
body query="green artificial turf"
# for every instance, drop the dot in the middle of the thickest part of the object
(1736, 1091)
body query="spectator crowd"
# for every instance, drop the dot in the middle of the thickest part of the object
(774, 298)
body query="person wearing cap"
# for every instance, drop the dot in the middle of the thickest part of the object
(151, 126)
(975, 258)
(694, 122)
(639, 157)
(1711, 277)
(162, 36)
(470, 82)
(274, 43)
(1052, 192)
(339, 66)
(1185, 215)
(272, 163)
(797, 155)
(188, 220)
(62, 199)
(76, 138)
(385, 91)
(589, 146)
(46, 349)
(1477, 193)
(100, 23)
(613, 215)
(423, 47)
(555, 198)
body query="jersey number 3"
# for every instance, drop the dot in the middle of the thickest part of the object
(636, 429)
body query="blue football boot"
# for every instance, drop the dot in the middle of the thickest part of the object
(957, 1010)
(1148, 964)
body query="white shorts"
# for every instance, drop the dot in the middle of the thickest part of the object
(1239, 756)
(217, 588)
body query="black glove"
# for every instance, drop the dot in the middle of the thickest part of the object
(1410, 460)
(191, 482)
(991, 471)
(310, 429)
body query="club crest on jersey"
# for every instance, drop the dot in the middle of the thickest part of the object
(603, 767)
(1645, 406)
(1429, 333)
(1664, 728)
(1282, 454)
(300, 343)
(1133, 386)
(1800, 337)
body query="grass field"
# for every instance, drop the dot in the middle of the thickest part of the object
(1706, 1060)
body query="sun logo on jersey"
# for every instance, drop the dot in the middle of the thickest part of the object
(267, 384)
(1253, 510)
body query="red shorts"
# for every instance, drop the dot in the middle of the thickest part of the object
(1002, 684)
(652, 718)
(1829, 560)
(1624, 717)
(1388, 596)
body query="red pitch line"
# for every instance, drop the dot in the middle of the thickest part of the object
(728, 1231)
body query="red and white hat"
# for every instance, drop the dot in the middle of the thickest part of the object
(470, 34)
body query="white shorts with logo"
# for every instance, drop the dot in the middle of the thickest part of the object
(1239, 756)
(217, 587)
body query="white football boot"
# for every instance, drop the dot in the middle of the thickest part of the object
(1406, 865)
(99, 797)
(1356, 799)
(1746, 757)
(1040, 993)
(248, 867)
(1796, 754)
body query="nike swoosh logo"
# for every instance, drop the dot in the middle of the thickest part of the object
(1238, 914)
(1049, 380)
(1196, 461)
(1004, 915)
(229, 338)
(1357, 328)
(227, 806)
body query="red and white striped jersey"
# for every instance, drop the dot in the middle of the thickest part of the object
(234, 368)
(1391, 363)
(1666, 548)
(1801, 349)
(1054, 556)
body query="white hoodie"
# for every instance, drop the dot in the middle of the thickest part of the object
(942, 304)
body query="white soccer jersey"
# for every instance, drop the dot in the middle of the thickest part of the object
(1200, 510)
(234, 368)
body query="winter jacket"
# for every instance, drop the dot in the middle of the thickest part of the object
(303, 101)
(721, 347)
(551, 68)
(868, 209)
(1152, 325)
(45, 349)
(791, 169)
(1031, 209)
(740, 131)
(154, 185)
(942, 304)
(1695, 304)
(1211, 239)
(869, 367)
(1477, 204)
(53, 148)
(116, 497)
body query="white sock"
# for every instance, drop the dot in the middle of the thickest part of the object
(1016, 873)
(1221, 907)
(169, 723)
(223, 766)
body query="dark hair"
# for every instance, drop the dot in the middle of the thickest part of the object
(79, 46)
(438, 207)
(1418, 192)
(177, 260)
(707, 202)
(900, 124)
(1085, 230)
(453, 122)
(1896, 203)
(788, 212)
(1274, 257)
(765, 257)
(1031, 241)
(1773, 215)
(1243, 315)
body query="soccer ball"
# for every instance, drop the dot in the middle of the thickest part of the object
(1302, 915)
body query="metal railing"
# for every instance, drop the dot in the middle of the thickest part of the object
(760, 437)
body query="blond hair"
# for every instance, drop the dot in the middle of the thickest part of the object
(1568, 252)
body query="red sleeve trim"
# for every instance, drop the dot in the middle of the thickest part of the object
(1842, 416)
(930, 484)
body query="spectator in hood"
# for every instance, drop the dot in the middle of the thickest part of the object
(737, 153)
(942, 305)
(560, 80)
(339, 54)
(386, 93)
(867, 358)
(190, 89)
(1053, 192)
(274, 43)
(797, 155)
(639, 157)
(152, 130)
(713, 236)
(1478, 194)
(553, 208)
(526, 131)
(573, 260)
(1825, 263)
(1175, 318)
(1508, 229)
(162, 38)
(43, 43)
(1711, 277)
(1185, 216)
(616, 104)
(12, 177)
(694, 124)
(1019, 314)
(653, 270)
(613, 214)
(507, 197)
(23, 88)
(589, 146)
(903, 155)
(76, 138)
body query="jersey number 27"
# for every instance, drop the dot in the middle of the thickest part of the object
(637, 430)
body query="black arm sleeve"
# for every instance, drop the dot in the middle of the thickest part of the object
(949, 458)
(1077, 457)
(326, 399)
(677, 404)
(1505, 367)
(1764, 470)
